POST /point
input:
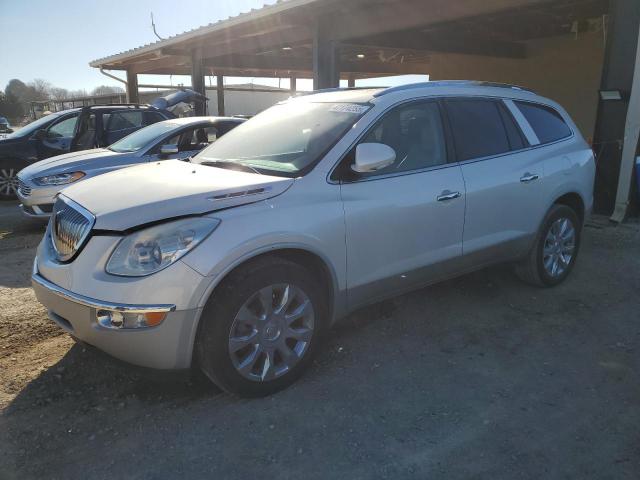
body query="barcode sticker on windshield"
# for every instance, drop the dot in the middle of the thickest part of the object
(349, 108)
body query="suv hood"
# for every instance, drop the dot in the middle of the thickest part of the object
(68, 162)
(157, 191)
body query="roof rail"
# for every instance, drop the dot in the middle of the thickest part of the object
(130, 105)
(334, 89)
(450, 83)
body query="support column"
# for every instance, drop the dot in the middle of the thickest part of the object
(132, 87)
(197, 80)
(292, 85)
(220, 94)
(326, 56)
(617, 74)
(351, 82)
(630, 145)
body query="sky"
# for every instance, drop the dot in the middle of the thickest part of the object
(56, 39)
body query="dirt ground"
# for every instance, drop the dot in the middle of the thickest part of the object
(481, 377)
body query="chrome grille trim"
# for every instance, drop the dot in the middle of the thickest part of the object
(69, 228)
(23, 188)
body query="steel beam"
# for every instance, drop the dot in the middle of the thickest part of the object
(326, 70)
(132, 87)
(220, 94)
(197, 79)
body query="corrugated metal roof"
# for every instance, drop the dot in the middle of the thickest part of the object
(251, 15)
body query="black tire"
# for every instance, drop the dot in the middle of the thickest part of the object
(212, 341)
(9, 179)
(531, 269)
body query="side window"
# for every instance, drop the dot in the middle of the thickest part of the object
(150, 118)
(415, 133)
(477, 127)
(211, 134)
(64, 128)
(545, 121)
(197, 138)
(174, 140)
(125, 120)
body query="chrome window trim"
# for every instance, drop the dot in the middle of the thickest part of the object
(525, 126)
(39, 280)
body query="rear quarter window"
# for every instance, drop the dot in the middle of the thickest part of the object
(545, 121)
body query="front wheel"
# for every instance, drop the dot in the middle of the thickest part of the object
(555, 250)
(8, 180)
(261, 327)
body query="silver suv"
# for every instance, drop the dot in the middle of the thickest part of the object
(239, 261)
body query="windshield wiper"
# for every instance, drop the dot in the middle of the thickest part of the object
(230, 165)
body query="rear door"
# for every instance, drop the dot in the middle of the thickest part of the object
(404, 222)
(503, 179)
(121, 123)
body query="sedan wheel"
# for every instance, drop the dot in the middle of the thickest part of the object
(8, 183)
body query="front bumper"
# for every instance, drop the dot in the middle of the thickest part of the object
(39, 201)
(166, 346)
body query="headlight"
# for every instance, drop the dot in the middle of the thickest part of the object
(59, 179)
(152, 249)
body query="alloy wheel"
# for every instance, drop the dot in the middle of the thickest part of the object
(271, 332)
(559, 247)
(8, 182)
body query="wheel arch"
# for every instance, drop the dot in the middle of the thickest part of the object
(574, 201)
(301, 254)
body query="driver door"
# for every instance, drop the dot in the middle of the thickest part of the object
(404, 222)
(58, 137)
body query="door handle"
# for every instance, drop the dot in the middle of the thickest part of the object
(529, 177)
(447, 195)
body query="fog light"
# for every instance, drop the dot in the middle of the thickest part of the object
(124, 320)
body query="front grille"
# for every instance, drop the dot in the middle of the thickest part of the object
(70, 227)
(23, 188)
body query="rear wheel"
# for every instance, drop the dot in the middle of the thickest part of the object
(261, 327)
(555, 250)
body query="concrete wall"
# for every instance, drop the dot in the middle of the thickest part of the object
(565, 68)
(245, 102)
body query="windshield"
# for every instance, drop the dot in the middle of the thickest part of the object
(286, 139)
(140, 138)
(35, 125)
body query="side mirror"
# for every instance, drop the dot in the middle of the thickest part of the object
(40, 134)
(373, 156)
(169, 149)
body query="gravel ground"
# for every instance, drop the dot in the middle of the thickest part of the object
(480, 377)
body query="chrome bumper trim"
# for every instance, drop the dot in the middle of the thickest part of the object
(97, 304)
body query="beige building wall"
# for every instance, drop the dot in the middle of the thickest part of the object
(245, 102)
(566, 69)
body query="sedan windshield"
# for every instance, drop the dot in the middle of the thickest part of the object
(286, 139)
(142, 137)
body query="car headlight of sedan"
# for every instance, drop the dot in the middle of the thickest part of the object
(150, 250)
(58, 179)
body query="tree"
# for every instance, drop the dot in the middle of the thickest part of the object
(10, 107)
(57, 93)
(107, 90)
(39, 89)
